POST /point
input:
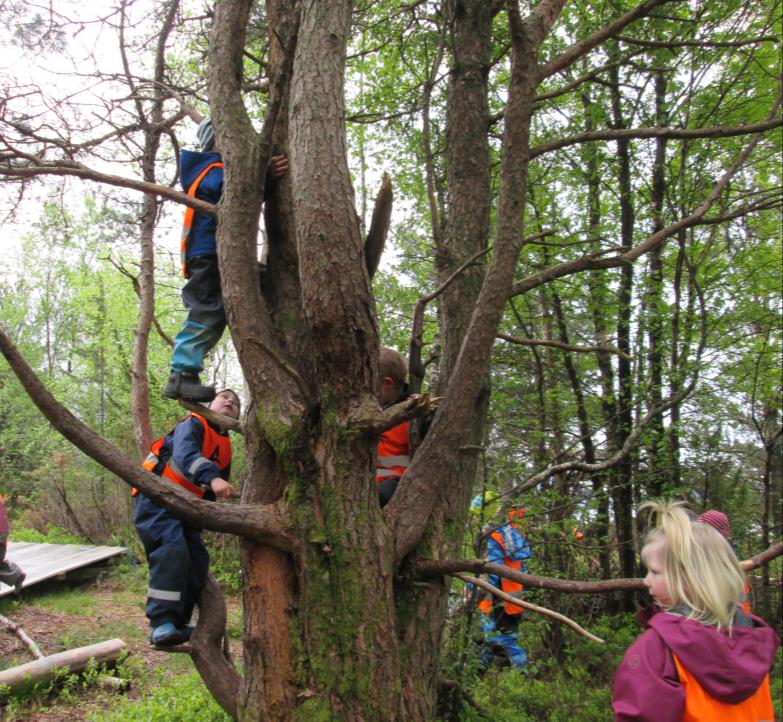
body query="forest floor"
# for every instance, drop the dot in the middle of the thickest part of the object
(62, 616)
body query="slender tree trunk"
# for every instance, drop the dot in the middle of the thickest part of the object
(622, 493)
(658, 475)
(598, 292)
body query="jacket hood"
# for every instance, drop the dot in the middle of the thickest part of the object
(192, 162)
(730, 667)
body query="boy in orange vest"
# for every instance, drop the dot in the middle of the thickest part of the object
(201, 175)
(196, 455)
(393, 456)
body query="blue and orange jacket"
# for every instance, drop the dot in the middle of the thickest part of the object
(506, 545)
(192, 455)
(199, 238)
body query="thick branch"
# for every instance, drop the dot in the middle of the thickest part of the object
(262, 524)
(438, 567)
(674, 133)
(208, 651)
(452, 567)
(78, 170)
(379, 226)
(225, 422)
(414, 406)
(762, 558)
(527, 605)
(577, 50)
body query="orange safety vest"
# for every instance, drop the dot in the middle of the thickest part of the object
(393, 455)
(745, 598)
(187, 223)
(700, 707)
(215, 447)
(506, 585)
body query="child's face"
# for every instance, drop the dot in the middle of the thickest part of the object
(655, 580)
(226, 403)
(390, 391)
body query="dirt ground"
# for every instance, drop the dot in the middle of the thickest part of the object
(114, 612)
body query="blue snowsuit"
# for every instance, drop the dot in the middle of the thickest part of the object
(202, 294)
(500, 628)
(178, 559)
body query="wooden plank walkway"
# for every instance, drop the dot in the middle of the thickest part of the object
(45, 561)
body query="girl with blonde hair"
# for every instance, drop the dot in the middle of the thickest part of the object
(701, 658)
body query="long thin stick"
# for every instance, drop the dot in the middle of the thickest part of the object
(527, 605)
(19, 632)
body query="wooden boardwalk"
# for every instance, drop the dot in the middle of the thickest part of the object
(47, 561)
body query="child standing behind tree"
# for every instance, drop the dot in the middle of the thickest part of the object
(201, 175)
(701, 657)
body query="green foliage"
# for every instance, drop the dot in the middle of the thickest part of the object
(183, 697)
(574, 689)
(52, 535)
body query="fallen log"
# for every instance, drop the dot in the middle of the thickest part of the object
(74, 660)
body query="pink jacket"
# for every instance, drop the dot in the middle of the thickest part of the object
(3, 518)
(729, 668)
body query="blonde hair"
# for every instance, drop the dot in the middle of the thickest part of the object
(392, 364)
(699, 566)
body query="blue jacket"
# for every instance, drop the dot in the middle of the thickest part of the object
(202, 234)
(184, 444)
(517, 548)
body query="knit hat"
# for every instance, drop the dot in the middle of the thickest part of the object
(206, 135)
(717, 520)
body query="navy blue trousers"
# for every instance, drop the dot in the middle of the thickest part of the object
(178, 562)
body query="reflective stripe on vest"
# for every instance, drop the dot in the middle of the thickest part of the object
(393, 457)
(503, 537)
(700, 707)
(187, 223)
(215, 448)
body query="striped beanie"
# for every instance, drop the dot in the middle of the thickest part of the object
(717, 520)
(206, 135)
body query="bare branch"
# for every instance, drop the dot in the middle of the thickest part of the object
(438, 567)
(415, 406)
(563, 346)
(452, 567)
(527, 605)
(225, 422)
(595, 262)
(762, 558)
(68, 168)
(673, 133)
(208, 651)
(577, 50)
(672, 44)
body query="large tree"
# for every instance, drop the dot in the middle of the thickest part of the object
(337, 622)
